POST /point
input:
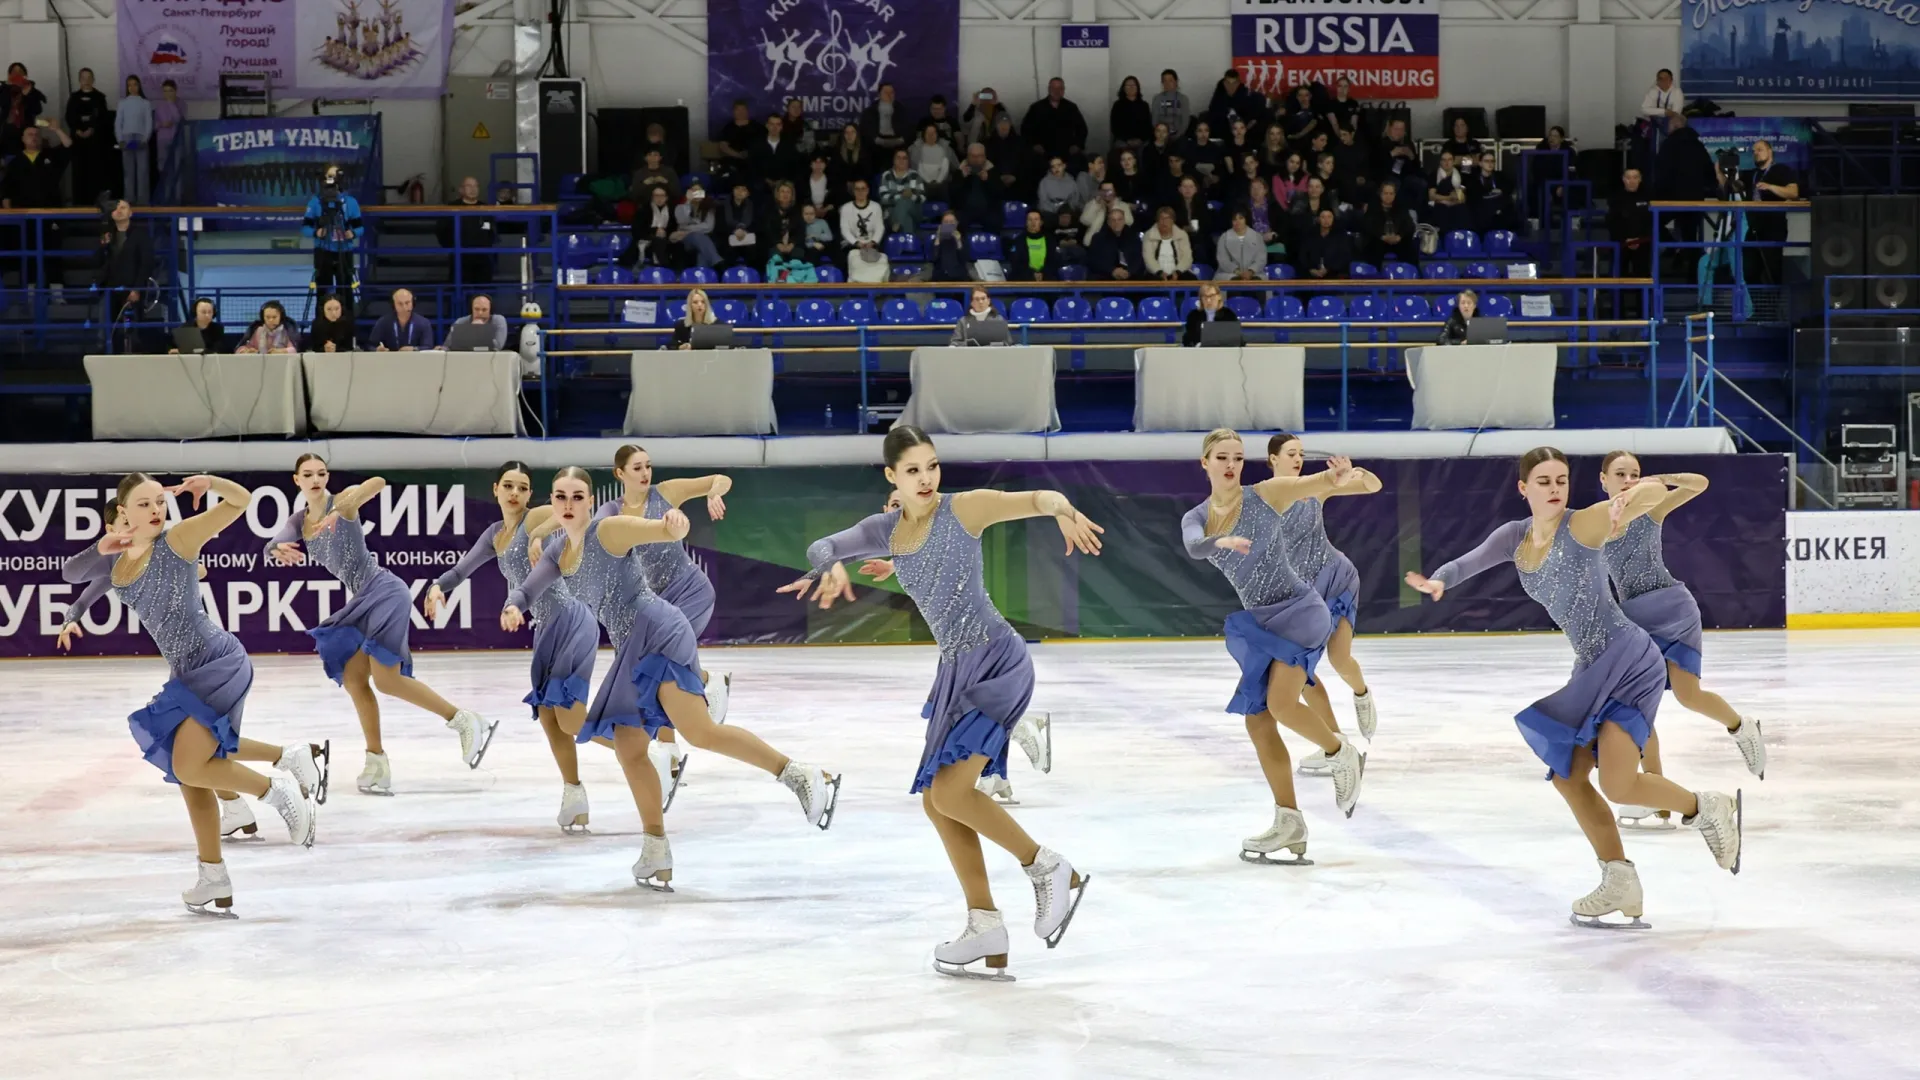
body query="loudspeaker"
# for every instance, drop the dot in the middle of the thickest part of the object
(620, 133)
(562, 133)
(1891, 252)
(1517, 122)
(1839, 247)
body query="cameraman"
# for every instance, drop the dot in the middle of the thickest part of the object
(1768, 181)
(333, 224)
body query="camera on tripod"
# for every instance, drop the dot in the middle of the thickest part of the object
(1728, 162)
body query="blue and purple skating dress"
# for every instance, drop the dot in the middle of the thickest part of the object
(1283, 620)
(985, 677)
(565, 636)
(1649, 595)
(1319, 563)
(378, 613)
(652, 641)
(1618, 675)
(670, 570)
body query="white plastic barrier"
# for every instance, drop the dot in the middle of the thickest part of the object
(1853, 568)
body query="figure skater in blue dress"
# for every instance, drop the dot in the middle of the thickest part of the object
(1280, 632)
(1667, 611)
(565, 636)
(1602, 717)
(980, 689)
(363, 645)
(654, 682)
(190, 731)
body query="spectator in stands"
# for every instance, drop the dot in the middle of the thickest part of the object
(933, 158)
(1232, 100)
(1190, 211)
(1211, 308)
(862, 224)
(1130, 181)
(940, 115)
(1114, 253)
(475, 231)
(1053, 126)
(1172, 175)
(783, 232)
(1130, 120)
(983, 112)
(1465, 306)
(1324, 169)
(653, 172)
(1290, 182)
(818, 189)
(23, 104)
(819, 236)
(169, 150)
(1266, 219)
(1009, 155)
(1302, 120)
(1239, 145)
(1201, 155)
(699, 313)
(1630, 224)
(949, 253)
(1767, 182)
(1462, 145)
(1546, 173)
(1447, 196)
(213, 336)
(332, 330)
(738, 228)
(902, 194)
(1341, 113)
(976, 191)
(127, 268)
(883, 124)
(1490, 198)
(737, 137)
(656, 139)
(90, 119)
(1240, 254)
(1354, 166)
(1684, 172)
(1387, 227)
(1306, 207)
(402, 331)
(1031, 255)
(850, 162)
(1166, 249)
(1327, 253)
(332, 222)
(1155, 155)
(272, 332)
(32, 182)
(133, 130)
(1275, 150)
(772, 158)
(981, 320)
(693, 227)
(1398, 159)
(480, 313)
(1663, 101)
(1068, 250)
(1170, 106)
(1087, 183)
(796, 132)
(1094, 215)
(1057, 189)
(651, 239)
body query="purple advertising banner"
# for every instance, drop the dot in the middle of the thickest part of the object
(832, 55)
(308, 48)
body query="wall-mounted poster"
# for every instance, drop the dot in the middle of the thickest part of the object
(1845, 50)
(1390, 49)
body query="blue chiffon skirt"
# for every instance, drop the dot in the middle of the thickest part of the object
(1339, 585)
(1672, 617)
(376, 621)
(692, 593)
(1622, 687)
(659, 649)
(211, 693)
(1292, 632)
(976, 699)
(563, 653)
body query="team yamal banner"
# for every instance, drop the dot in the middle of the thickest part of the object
(1390, 49)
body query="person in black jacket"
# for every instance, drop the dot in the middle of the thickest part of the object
(126, 268)
(1327, 251)
(1684, 171)
(1114, 252)
(1053, 125)
(206, 320)
(1130, 121)
(1231, 98)
(332, 329)
(1212, 308)
(1387, 227)
(772, 158)
(949, 255)
(1630, 224)
(475, 232)
(90, 119)
(1465, 306)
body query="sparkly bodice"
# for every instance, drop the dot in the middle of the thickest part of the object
(166, 596)
(610, 585)
(944, 579)
(1265, 575)
(1308, 548)
(1635, 560)
(515, 566)
(661, 563)
(342, 551)
(1571, 583)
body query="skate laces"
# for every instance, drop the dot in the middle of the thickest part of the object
(283, 801)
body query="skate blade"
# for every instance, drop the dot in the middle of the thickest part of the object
(1006, 800)
(1271, 858)
(1649, 824)
(1356, 786)
(955, 971)
(1599, 922)
(323, 760)
(386, 793)
(1043, 730)
(212, 912)
(240, 837)
(485, 741)
(1739, 828)
(577, 827)
(1318, 771)
(653, 885)
(1079, 893)
(833, 802)
(666, 803)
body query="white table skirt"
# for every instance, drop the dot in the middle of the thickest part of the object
(1258, 388)
(702, 392)
(433, 392)
(1482, 386)
(196, 396)
(989, 389)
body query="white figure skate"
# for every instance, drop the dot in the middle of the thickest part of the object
(573, 808)
(1719, 819)
(1618, 892)
(237, 823)
(377, 777)
(1752, 749)
(670, 761)
(308, 763)
(295, 809)
(213, 888)
(476, 734)
(984, 939)
(1035, 736)
(654, 869)
(1363, 711)
(1349, 766)
(1057, 891)
(998, 788)
(1289, 833)
(719, 689)
(1645, 818)
(818, 792)
(1318, 763)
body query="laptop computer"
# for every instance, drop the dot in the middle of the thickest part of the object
(1487, 330)
(989, 332)
(470, 336)
(1221, 334)
(716, 335)
(188, 340)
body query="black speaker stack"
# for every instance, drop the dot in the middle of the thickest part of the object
(1867, 236)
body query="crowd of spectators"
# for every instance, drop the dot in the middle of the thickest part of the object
(91, 151)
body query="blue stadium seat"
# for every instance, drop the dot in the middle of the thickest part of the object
(1365, 308)
(1410, 308)
(899, 313)
(1155, 309)
(983, 245)
(1284, 308)
(1203, 271)
(1361, 271)
(578, 251)
(932, 210)
(1014, 215)
(673, 311)
(1114, 309)
(697, 275)
(729, 310)
(1443, 304)
(903, 247)
(857, 312)
(1462, 244)
(943, 310)
(607, 274)
(1480, 270)
(1214, 207)
(1027, 310)
(1326, 309)
(740, 275)
(1279, 271)
(1499, 243)
(1401, 271)
(1245, 308)
(655, 275)
(1073, 272)
(573, 185)
(1072, 309)
(814, 313)
(1439, 271)
(831, 275)
(613, 242)
(1497, 306)
(773, 313)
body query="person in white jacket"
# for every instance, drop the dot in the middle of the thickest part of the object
(1664, 100)
(863, 225)
(1094, 216)
(1240, 254)
(1166, 250)
(133, 129)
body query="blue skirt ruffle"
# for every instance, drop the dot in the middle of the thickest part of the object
(1680, 654)
(564, 649)
(155, 726)
(985, 687)
(658, 649)
(1339, 585)
(1621, 687)
(1293, 632)
(376, 621)
(976, 733)
(559, 694)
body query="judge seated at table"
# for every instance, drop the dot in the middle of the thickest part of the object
(271, 333)
(481, 315)
(402, 331)
(981, 322)
(1464, 307)
(213, 336)
(699, 311)
(332, 331)
(1212, 308)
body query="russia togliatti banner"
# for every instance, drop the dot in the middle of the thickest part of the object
(1810, 50)
(832, 55)
(306, 48)
(1390, 49)
(279, 161)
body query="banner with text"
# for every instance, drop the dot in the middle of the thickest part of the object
(1853, 562)
(1791, 139)
(270, 161)
(1729, 546)
(1838, 50)
(832, 55)
(1389, 48)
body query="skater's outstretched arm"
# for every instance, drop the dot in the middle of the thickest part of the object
(1359, 482)
(477, 556)
(536, 518)
(1683, 489)
(283, 546)
(87, 564)
(1281, 492)
(95, 589)
(1592, 525)
(347, 504)
(711, 488)
(1497, 548)
(872, 538)
(187, 538)
(984, 507)
(539, 579)
(621, 534)
(1193, 535)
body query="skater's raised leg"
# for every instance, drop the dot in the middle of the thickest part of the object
(1340, 657)
(689, 715)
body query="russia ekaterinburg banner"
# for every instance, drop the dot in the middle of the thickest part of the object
(1388, 48)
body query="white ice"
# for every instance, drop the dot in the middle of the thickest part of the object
(452, 931)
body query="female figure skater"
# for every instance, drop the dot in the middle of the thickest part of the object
(672, 575)
(980, 689)
(1666, 610)
(363, 645)
(565, 636)
(655, 681)
(1603, 715)
(1333, 576)
(152, 570)
(1281, 631)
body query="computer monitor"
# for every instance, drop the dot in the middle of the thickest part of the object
(715, 335)
(989, 332)
(1486, 330)
(470, 336)
(1222, 334)
(189, 340)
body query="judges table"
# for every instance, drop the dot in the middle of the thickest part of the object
(434, 392)
(196, 396)
(987, 389)
(1261, 388)
(702, 392)
(1482, 386)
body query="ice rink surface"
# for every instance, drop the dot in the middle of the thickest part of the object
(452, 931)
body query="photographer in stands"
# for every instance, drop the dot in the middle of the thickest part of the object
(333, 224)
(1767, 181)
(402, 331)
